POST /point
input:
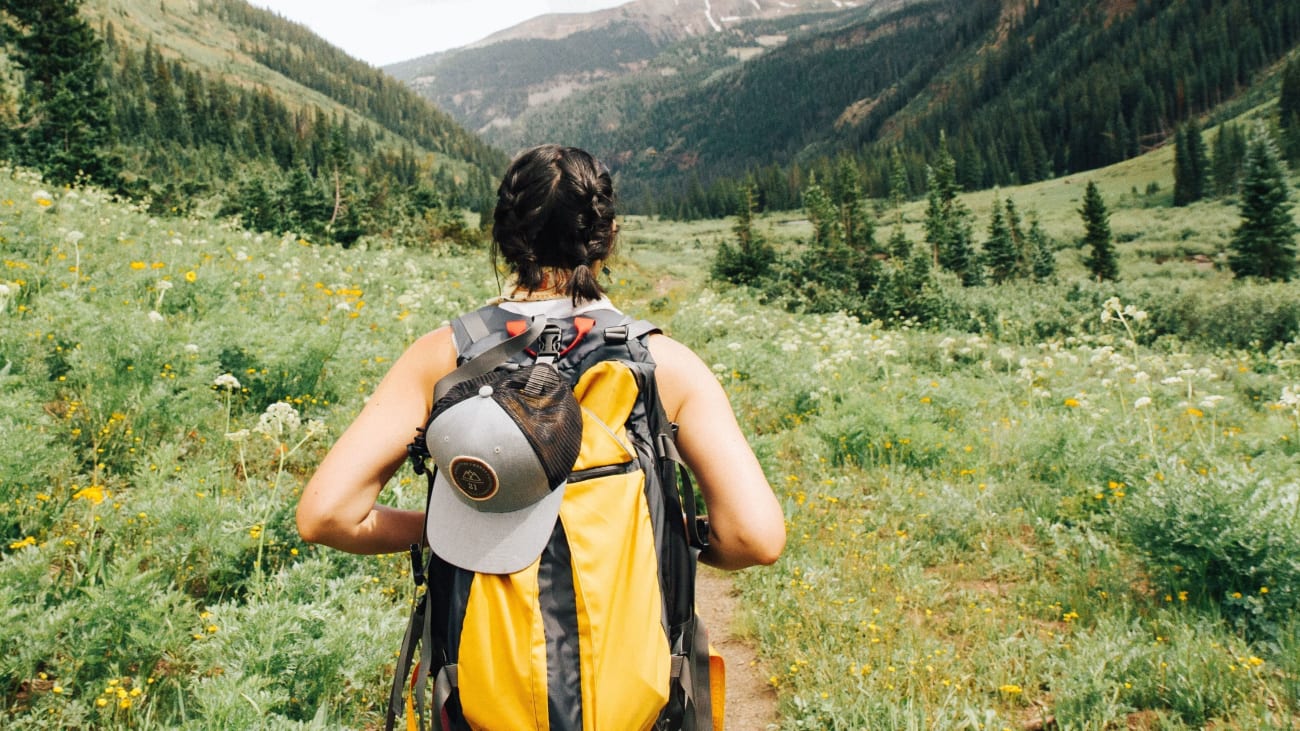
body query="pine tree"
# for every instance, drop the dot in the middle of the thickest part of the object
(1264, 244)
(1191, 165)
(1229, 153)
(1288, 111)
(65, 112)
(749, 261)
(1102, 262)
(1000, 254)
(1044, 258)
(947, 220)
(1024, 257)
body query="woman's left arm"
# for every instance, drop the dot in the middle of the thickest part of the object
(338, 507)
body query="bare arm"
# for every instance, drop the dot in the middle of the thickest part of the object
(338, 507)
(746, 524)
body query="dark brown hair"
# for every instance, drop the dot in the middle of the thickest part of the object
(555, 209)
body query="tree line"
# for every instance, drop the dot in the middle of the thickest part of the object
(145, 124)
(842, 266)
(1064, 86)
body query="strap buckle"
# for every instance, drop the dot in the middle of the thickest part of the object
(548, 345)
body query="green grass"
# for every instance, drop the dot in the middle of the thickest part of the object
(987, 531)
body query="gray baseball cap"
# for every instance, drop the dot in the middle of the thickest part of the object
(504, 444)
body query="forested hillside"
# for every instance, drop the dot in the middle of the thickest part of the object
(1025, 91)
(218, 105)
(537, 64)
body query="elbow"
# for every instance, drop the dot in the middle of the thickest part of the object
(313, 527)
(766, 551)
(747, 548)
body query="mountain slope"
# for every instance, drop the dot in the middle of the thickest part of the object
(539, 62)
(1024, 90)
(218, 103)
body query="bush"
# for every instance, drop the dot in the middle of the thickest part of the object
(1230, 540)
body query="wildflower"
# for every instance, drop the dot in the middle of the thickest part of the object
(155, 316)
(1211, 401)
(163, 285)
(191, 276)
(1142, 402)
(279, 418)
(1172, 380)
(138, 265)
(1010, 689)
(43, 198)
(227, 381)
(191, 349)
(94, 494)
(24, 543)
(74, 237)
(315, 428)
(1072, 403)
(237, 436)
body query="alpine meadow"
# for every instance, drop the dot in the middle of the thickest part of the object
(1003, 293)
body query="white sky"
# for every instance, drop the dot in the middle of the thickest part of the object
(386, 31)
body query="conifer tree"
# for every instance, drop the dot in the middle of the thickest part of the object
(1024, 257)
(947, 220)
(1000, 255)
(1264, 244)
(1288, 110)
(1040, 245)
(750, 259)
(1191, 165)
(64, 113)
(1229, 154)
(1102, 262)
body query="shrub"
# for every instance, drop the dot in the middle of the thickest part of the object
(1230, 540)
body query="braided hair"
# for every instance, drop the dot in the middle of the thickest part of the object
(555, 210)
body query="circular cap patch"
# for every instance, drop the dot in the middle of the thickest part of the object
(474, 477)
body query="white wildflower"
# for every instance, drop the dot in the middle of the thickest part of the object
(191, 349)
(241, 255)
(315, 428)
(75, 236)
(1142, 402)
(1141, 377)
(163, 285)
(237, 436)
(1211, 401)
(1172, 380)
(279, 418)
(227, 381)
(155, 316)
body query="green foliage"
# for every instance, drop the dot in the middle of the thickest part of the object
(1191, 165)
(1229, 157)
(749, 261)
(1264, 244)
(63, 126)
(947, 220)
(1102, 260)
(1001, 253)
(1230, 540)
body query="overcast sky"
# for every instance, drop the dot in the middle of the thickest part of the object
(386, 31)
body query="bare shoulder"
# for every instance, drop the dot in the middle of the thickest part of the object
(682, 375)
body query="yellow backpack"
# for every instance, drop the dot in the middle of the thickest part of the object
(599, 633)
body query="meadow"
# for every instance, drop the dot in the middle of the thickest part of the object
(1080, 512)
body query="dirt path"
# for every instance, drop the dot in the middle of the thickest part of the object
(751, 701)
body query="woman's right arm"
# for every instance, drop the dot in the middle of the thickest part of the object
(746, 523)
(338, 507)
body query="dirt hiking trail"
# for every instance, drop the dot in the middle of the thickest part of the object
(751, 701)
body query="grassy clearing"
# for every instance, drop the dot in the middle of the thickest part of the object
(1096, 529)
